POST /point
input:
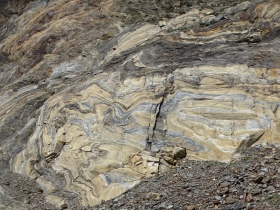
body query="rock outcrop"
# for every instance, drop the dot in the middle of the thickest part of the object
(96, 95)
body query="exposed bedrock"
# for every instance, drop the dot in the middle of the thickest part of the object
(96, 97)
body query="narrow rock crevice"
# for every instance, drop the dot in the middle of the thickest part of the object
(168, 88)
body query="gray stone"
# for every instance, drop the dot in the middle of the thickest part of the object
(271, 188)
(163, 205)
(256, 191)
(225, 184)
(218, 197)
(238, 8)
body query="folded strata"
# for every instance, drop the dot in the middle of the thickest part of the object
(94, 98)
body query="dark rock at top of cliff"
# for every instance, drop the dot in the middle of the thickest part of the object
(11, 7)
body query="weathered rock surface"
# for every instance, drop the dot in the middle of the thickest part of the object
(96, 95)
(249, 183)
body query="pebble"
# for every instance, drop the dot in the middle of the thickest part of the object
(231, 200)
(225, 184)
(256, 191)
(218, 197)
(249, 198)
(271, 189)
(163, 205)
(191, 208)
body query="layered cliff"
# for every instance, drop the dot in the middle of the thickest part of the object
(96, 95)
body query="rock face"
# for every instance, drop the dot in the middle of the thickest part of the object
(96, 95)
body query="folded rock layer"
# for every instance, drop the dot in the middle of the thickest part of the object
(96, 95)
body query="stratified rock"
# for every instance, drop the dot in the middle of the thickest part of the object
(96, 95)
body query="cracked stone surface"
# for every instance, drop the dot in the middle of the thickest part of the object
(97, 95)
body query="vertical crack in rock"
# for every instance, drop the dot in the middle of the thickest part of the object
(161, 93)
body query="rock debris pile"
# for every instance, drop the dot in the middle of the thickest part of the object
(18, 192)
